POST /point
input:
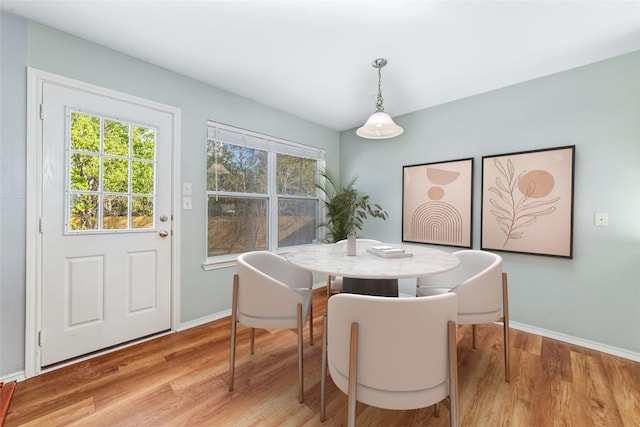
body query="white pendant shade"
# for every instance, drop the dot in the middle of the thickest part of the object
(379, 126)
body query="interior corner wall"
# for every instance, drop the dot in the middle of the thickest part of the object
(595, 296)
(203, 294)
(13, 77)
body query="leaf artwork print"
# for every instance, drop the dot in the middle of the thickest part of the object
(516, 202)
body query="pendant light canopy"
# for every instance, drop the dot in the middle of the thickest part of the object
(380, 125)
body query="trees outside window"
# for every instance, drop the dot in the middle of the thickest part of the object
(111, 179)
(261, 192)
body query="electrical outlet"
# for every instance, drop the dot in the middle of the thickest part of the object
(602, 219)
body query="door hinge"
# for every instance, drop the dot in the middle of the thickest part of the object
(41, 111)
(40, 338)
(40, 225)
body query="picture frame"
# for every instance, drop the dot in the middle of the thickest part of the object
(437, 203)
(527, 202)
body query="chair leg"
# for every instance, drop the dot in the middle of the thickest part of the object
(252, 349)
(323, 380)
(300, 358)
(474, 329)
(234, 325)
(328, 286)
(505, 322)
(311, 322)
(453, 373)
(436, 409)
(353, 377)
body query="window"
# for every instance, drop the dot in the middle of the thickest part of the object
(111, 175)
(261, 192)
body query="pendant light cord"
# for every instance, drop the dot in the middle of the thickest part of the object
(379, 100)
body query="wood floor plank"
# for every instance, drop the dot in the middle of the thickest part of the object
(64, 416)
(556, 360)
(182, 380)
(624, 376)
(591, 382)
(526, 342)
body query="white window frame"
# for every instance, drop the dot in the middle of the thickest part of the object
(100, 192)
(273, 146)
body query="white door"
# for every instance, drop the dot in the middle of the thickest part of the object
(106, 222)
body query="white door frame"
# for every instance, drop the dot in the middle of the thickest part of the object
(33, 306)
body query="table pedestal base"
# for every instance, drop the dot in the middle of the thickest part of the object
(376, 287)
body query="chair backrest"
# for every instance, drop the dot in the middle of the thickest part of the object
(266, 290)
(477, 281)
(403, 359)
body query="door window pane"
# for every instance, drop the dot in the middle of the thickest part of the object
(116, 138)
(112, 174)
(115, 212)
(85, 172)
(116, 175)
(85, 133)
(141, 212)
(142, 177)
(83, 212)
(144, 142)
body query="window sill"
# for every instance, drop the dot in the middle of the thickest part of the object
(218, 264)
(226, 262)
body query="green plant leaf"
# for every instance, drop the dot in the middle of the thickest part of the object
(346, 207)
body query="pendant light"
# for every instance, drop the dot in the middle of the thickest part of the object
(380, 125)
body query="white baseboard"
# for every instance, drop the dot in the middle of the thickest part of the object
(17, 376)
(201, 321)
(604, 348)
(222, 314)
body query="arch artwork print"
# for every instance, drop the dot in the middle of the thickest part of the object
(527, 202)
(436, 206)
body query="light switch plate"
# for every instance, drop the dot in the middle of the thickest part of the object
(186, 189)
(186, 203)
(602, 219)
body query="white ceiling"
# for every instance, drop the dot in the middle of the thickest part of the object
(312, 58)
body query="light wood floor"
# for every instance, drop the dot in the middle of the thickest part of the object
(181, 380)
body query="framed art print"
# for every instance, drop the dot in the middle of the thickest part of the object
(437, 203)
(527, 202)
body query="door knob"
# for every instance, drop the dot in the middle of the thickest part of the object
(163, 233)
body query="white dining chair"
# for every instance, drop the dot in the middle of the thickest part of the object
(376, 357)
(269, 292)
(482, 291)
(335, 283)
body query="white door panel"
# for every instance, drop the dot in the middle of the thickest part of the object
(103, 286)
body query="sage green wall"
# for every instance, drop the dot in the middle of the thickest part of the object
(13, 103)
(596, 295)
(202, 293)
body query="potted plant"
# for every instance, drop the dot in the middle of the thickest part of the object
(346, 207)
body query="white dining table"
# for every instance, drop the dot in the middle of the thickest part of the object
(331, 259)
